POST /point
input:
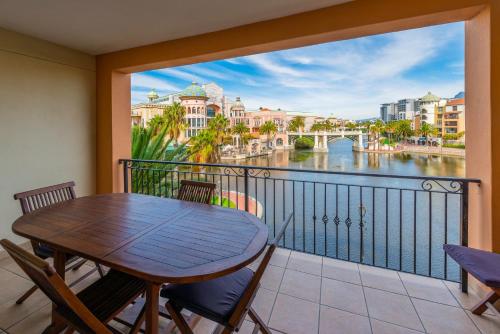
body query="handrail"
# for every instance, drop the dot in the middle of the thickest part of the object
(411, 177)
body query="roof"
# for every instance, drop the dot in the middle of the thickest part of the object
(455, 102)
(193, 90)
(429, 97)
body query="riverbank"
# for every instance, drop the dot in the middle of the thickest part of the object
(445, 151)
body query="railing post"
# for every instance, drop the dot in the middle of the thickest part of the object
(245, 174)
(464, 233)
(125, 176)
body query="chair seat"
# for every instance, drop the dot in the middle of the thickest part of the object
(215, 299)
(483, 265)
(107, 295)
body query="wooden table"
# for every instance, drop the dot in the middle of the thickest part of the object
(159, 240)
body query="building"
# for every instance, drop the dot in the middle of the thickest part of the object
(388, 112)
(407, 108)
(202, 102)
(254, 119)
(454, 117)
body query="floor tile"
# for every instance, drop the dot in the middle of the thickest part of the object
(383, 279)
(342, 295)
(11, 313)
(10, 265)
(263, 304)
(381, 327)
(13, 286)
(333, 320)
(341, 270)
(294, 316)
(466, 300)
(280, 257)
(307, 263)
(247, 327)
(443, 319)
(393, 308)
(301, 285)
(487, 323)
(272, 278)
(34, 324)
(427, 288)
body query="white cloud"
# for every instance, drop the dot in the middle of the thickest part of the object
(265, 62)
(145, 81)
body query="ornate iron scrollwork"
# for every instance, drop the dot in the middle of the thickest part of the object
(235, 171)
(265, 172)
(442, 186)
(325, 219)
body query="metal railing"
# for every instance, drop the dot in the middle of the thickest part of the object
(390, 221)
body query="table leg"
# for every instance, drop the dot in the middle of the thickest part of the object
(58, 324)
(152, 309)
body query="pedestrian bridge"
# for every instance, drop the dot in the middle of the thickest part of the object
(321, 138)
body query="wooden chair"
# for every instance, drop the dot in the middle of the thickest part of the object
(90, 310)
(225, 300)
(35, 199)
(196, 191)
(485, 267)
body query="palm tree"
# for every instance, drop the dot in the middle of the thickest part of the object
(390, 128)
(316, 127)
(426, 130)
(351, 126)
(269, 129)
(157, 122)
(297, 124)
(219, 126)
(152, 144)
(174, 118)
(403, 129)
(375, 129)
(203, 147)
(240, 130)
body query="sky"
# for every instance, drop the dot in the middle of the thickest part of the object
(347, 79)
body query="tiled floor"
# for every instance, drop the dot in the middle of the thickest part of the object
(302, 293)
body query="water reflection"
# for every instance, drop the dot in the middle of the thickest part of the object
(341, 158)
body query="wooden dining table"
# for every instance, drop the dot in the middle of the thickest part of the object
(157, 239)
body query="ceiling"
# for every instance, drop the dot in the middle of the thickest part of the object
(102, 26)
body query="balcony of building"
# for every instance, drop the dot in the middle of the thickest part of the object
(65, 106)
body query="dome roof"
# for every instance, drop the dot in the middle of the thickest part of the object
(430, 98)
(194, 90)
(238, 104)
(152, 94)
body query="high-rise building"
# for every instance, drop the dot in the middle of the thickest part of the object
(407, 108)
(388, 112)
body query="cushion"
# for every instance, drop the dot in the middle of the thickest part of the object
(214, 299)
(483, 265)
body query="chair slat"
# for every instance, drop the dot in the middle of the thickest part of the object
(196, 191)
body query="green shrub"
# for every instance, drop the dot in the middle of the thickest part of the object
(304, 143)
(462, 146)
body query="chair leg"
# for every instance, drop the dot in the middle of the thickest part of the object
(26, 295)
(78, 265)
(491, 297)
(258, 321)
(178, 318)
(99, 269)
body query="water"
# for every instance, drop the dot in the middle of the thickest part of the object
(388, 222)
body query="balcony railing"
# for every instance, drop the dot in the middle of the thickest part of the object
(390, 221)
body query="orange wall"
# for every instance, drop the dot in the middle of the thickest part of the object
(349, 20)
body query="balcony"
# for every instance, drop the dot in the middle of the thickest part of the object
(303, 293)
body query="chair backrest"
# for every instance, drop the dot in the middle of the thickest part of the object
(244, 303)
(196, 191)
(54, 287)
(35, 199)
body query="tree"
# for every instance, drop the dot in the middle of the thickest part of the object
(152, 144)
(426, 130)
(157, 122)
(390, 128)
(316, 127)
(269, 129)
(375, 130)
(403, 129)
(204, 147)
(240, 130)
(297, 124)
(304, 143)
(174, 118)
(351, 126)
(219, 126)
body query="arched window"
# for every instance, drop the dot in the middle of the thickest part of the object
(279, 142)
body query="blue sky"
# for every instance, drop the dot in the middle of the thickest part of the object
(348, 79)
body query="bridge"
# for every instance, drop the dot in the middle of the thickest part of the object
(321, 138)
